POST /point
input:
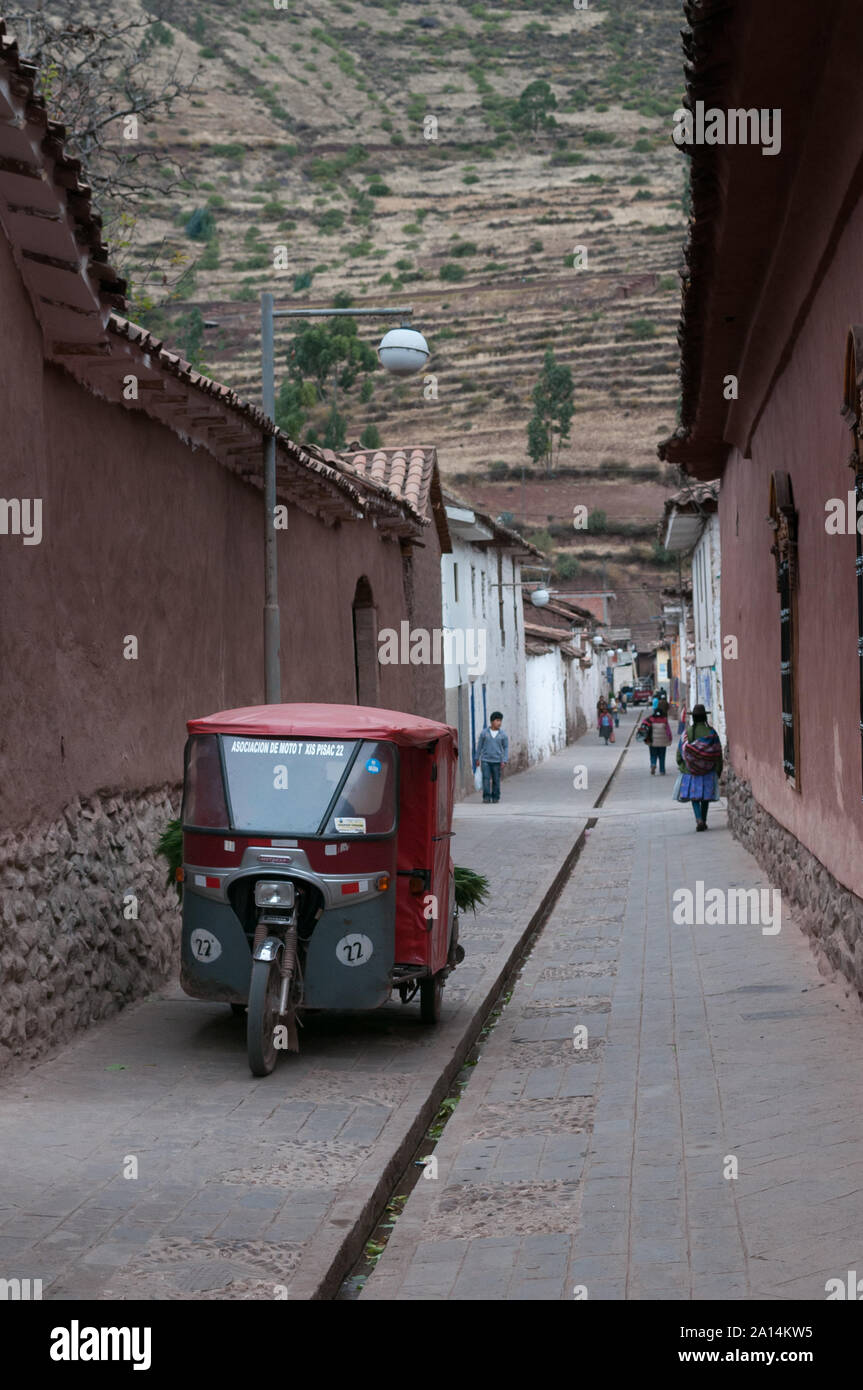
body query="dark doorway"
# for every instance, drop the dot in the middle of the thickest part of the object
(365, 621)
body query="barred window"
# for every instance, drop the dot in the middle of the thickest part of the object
(852, 410)
(783, 520)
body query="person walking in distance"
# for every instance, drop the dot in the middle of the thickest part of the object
(699, 757)
(492, 751)
(613, 711)
(660, 737)
(604, 722)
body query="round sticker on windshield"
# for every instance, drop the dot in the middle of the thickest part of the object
(205, 946)
(354, 949)
(373, 765)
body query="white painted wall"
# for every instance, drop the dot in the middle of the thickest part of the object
(585, 687)
(540, 696)
(624, 674)
(473, 579)
(706, 675)
(546, 711)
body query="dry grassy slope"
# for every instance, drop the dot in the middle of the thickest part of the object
(328, 76)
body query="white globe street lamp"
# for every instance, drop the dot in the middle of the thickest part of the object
(403, 351)
(539, 597)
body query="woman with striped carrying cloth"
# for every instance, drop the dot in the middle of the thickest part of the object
(699, 757)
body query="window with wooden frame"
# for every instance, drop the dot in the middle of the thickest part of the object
(783, 519)
(852, 412)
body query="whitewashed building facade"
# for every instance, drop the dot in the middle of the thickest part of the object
(691, 526)
(484, 666)
(564, 675)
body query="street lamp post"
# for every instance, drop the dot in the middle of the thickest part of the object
(402, 352)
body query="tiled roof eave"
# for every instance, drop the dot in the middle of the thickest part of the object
(79, 301)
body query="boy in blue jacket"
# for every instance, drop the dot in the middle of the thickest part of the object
(492, 751)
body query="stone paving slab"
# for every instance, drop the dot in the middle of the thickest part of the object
(706, 1045)
(244, 1186)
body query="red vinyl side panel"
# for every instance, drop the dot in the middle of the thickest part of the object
(425, 843)
(415, 852)
(443, 861)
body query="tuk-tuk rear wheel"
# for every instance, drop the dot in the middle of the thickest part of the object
(264, 990)
(431, 997)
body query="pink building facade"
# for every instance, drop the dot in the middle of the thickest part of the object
(773, 296)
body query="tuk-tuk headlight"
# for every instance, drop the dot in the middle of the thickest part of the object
(275, 893)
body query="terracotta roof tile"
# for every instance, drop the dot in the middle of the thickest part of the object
(406, 472)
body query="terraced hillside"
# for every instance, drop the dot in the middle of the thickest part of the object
(377, 143)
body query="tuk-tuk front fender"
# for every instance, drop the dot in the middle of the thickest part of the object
(268, 949)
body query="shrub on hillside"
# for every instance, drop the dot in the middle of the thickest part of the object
(332, 220)
(566, 566)
(641, 328)
(201, 225)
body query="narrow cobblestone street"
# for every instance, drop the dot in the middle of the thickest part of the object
(604, 1171)
(244, 1186)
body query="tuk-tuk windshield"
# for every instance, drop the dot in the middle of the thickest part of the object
(283, 785)
(286, 786)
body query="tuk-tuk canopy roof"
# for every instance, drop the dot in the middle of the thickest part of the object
(324, 721)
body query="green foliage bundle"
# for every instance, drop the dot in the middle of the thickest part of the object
(170, 847)
(471, 889)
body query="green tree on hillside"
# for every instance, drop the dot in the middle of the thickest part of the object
(553, 409)
(324, 362)
(533, 109)
(320, 351)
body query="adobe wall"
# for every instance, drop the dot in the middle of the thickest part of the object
(142, 537)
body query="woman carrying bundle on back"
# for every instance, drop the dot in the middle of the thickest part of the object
(660, 736)
(699, 757)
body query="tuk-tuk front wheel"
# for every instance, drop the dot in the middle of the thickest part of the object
(431, 997)
(264, 991)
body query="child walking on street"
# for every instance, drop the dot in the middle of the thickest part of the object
(492, 751)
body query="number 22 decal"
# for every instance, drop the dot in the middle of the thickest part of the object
(205, 947)
(354, 949)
